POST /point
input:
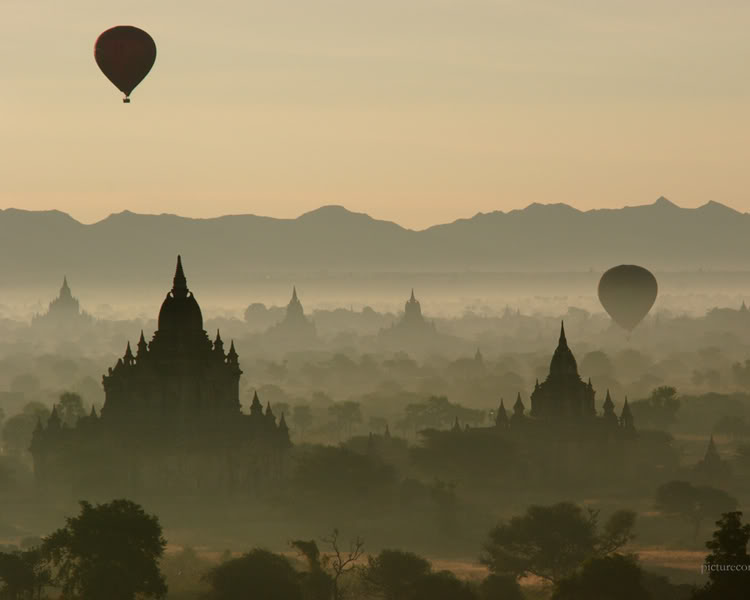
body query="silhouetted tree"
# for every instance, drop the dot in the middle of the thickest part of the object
(316, 583)
(728, 563)
(341, 562)
(108, 551)
(551, 542)
(693, 503)
(614, 577)
(257, 575)
(392, 574)
(70, 408)
(17, 430)
(659, 410)
(23, 575)
(346, 415)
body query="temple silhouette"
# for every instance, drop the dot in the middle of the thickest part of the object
(412, 328)
(65, 310)
(563, 397)
(563, 394)
(295, 326)
(171, 420)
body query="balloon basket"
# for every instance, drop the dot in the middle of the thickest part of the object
(126, 100)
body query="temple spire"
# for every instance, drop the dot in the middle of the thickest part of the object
(294, 293)
(256, 408)
(128, 359)
(563, 341)
(626, 417)
(142, 346)
(232, 356)
(501, 419)
(179, 283)
(219, 343)
(412, 299)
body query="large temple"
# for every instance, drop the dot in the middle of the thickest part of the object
(63, 310)
(295, 327)
(564, 398)
(412, 329)
(563, 394)
(171, 419)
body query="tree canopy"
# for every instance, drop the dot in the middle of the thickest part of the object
(108, 551)
(693, 503)
(614, 577)
(551, 542)
(257, 575)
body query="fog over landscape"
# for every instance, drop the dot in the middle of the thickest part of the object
(392, 397)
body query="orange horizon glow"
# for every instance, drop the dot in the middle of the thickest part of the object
(418, 114)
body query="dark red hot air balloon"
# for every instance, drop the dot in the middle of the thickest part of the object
(125, 54)
(627, 293)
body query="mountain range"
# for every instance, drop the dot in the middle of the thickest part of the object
(539, 238)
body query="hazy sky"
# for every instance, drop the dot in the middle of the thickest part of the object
(418, 111)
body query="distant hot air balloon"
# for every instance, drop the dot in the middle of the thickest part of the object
(125, 54)
(627, 293)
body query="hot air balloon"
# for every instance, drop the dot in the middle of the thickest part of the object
(125, 54)
(627, 293)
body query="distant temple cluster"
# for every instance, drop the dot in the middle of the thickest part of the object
(171, 420)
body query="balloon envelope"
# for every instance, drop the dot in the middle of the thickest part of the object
(125, 54)
(627, 293)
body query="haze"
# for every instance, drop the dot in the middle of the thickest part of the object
(417, 112)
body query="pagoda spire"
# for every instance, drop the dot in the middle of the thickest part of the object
(128, 359)
(518, 407)
(232, 356)
(712, 454)
(563, 341)
(256, 409)
(282, 424)
(270, 417)
(179, 283)
(609, 410)
(501, 419)
(626, 417)
(294, 293)
(218, 343)
(142, 347)
(412, 299)
(54, 421)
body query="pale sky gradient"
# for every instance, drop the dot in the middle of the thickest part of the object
(417, 111)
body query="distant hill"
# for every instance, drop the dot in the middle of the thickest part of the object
(125, 247)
